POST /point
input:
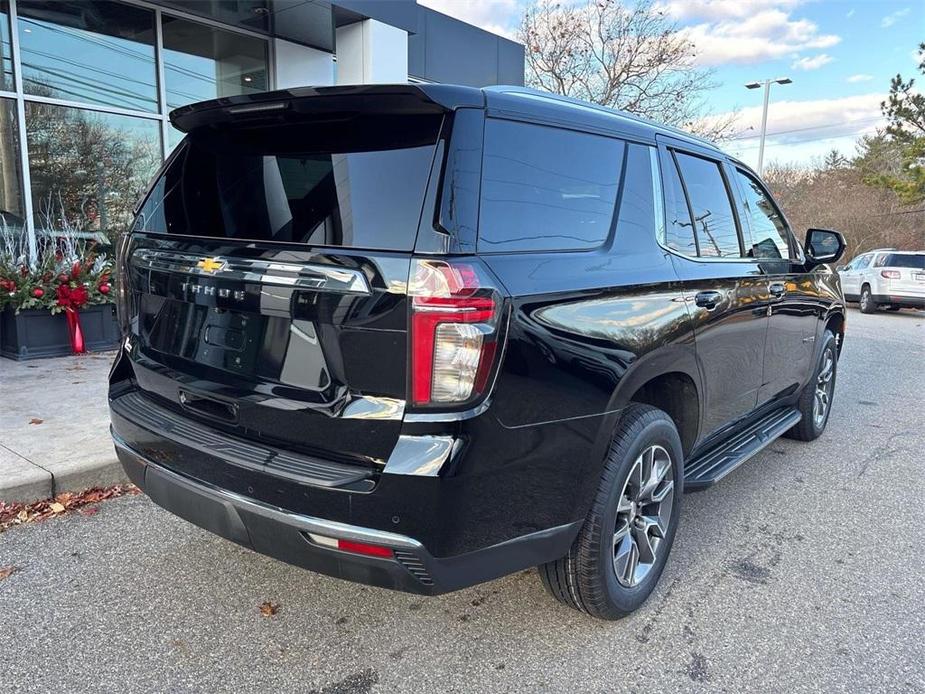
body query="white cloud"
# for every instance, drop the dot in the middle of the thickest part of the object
(893, 17)
(500, 17)
(721, 10)
(765, 34)
(859, 78)
(798, 131)
(792, 122)
(814, 63)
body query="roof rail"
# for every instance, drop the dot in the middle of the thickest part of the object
(530, 93)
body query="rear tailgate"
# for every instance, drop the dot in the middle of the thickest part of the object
(907, 275)
(267, 278)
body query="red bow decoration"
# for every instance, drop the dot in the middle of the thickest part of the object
(71, 299)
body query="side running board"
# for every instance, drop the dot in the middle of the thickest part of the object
(710, 467)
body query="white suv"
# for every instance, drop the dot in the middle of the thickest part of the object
(885, 277)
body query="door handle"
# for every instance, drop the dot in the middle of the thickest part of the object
(708, 299)
(777, 289)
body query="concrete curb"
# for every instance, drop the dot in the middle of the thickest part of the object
(24, 482)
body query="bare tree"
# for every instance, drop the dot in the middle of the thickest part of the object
(630, 57)
(834, 193)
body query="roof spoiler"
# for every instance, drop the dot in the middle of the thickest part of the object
(286, 104)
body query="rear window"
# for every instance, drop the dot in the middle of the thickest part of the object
(917, 262)
(349, 182)
(546, 188)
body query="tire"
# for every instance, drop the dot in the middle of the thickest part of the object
(866, 303)
(586, 578)
(811, 426)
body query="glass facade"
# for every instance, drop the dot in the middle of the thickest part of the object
(86, 87)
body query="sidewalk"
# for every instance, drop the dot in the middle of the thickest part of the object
(54, 427)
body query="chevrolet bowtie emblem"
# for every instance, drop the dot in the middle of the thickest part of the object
(210, 264)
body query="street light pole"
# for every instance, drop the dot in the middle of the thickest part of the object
(764, 112)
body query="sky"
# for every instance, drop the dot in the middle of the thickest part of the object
(840, 55)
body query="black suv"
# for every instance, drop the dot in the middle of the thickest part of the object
(424, 336)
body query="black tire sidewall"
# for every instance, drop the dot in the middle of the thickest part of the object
(663, 433)
(866, 301)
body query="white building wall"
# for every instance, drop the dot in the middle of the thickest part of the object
(371, 52)
(301, 66)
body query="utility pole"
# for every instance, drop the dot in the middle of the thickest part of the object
(764, 112)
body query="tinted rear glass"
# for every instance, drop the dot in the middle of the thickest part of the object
(355, 182)
(546, 188)
(900, 260)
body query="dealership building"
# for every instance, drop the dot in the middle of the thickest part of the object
(86, 86)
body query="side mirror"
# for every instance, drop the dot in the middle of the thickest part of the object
(839, 268)
(823, 246)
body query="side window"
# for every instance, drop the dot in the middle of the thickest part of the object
(546, 188)
(863, 262)
(679, 233)
(880, 260)
(714, 219)
(769, 233)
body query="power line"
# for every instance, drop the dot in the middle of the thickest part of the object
(807, 129)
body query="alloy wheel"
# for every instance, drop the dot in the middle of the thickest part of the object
(825, 382)
(643, 515)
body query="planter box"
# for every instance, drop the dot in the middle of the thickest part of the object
(35, 334)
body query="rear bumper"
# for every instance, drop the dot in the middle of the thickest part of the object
(284, 535)
(905, 301)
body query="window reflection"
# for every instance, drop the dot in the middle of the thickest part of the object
(717, 235)
(769, 233)
(97, 52)
(11, 201)
(88, 169)
(201, 63)
(6, 48)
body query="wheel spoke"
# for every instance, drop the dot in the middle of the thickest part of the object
(644, 543)
(621, 532)
(659, 495)
(624, 505)
(622, 558)
(654, 523)
(635, 479)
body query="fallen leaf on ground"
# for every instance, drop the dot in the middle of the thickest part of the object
(17, 514)
(7, 571)
(268, 609)
(36, 420)
(88, 511)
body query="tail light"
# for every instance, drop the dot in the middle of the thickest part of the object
(891, 274)
(454, 331)
(125, 309)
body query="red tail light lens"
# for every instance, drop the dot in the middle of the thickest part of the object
(454, 325)
(891, 274)
(365, 548)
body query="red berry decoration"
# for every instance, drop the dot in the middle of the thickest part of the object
(104, 289)
(62, 278)
(38, 292)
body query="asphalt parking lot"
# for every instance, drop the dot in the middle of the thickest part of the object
(802, 571)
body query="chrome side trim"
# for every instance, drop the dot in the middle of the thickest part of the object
(308, 524)
(420, 455)
(257, 271)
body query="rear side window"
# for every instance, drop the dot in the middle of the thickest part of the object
(357, 182)
(679, 232)
(916, 262)
(546, 188)
(769, 232)
(714, 220)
